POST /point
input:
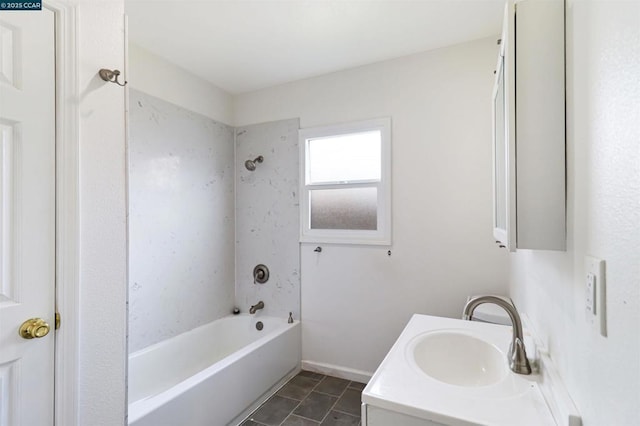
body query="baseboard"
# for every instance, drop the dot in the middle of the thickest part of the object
(337, 371)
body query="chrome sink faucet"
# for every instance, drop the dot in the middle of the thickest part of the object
(517, 355)
(254, 308)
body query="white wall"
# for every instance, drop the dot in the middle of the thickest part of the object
(603, 154)
(181, 220)
(156, 76)
(103, 239)
(267, 217)
(356, 300)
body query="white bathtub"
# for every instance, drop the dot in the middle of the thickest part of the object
(212, 375)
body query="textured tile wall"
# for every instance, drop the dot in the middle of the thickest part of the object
(181, 220)
(267, 221)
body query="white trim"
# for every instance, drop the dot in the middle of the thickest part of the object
(498, 233)
(381, 236)
(337, 371)
(509, 38)
(126, 142)
(506, 67)
(67, 214)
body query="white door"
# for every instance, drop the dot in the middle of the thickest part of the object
(27, 215)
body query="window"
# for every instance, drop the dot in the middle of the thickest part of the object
(345, 181)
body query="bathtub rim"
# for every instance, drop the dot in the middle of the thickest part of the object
(194, 330)
(140, 408)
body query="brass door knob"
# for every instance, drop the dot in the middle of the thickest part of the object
(34, 328)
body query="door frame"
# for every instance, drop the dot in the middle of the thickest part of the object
(66, 374)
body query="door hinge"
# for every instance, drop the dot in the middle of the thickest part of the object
(57, 320)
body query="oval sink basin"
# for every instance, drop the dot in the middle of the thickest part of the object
(458, 358)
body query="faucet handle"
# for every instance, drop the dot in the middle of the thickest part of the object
(260, 274)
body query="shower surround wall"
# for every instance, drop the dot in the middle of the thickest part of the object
(181, 220)
(267, 221)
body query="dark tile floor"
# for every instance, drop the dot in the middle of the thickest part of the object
(311, 399)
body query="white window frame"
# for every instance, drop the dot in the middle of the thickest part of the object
(380, 236)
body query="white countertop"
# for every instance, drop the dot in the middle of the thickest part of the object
(399, 385)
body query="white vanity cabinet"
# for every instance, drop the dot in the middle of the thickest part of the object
(529, 173)
(375, 416)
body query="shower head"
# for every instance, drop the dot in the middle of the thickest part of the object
(251, 164)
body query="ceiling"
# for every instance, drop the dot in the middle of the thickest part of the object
(241, 46)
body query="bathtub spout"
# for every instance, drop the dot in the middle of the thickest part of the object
(254, 308)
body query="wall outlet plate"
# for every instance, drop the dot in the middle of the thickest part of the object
(595, 295)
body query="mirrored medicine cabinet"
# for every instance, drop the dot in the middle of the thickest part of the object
(529, 170)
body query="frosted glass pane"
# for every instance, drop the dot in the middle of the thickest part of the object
(350, 208)
(345, 158)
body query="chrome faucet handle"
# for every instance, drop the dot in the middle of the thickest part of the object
(260, 274)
